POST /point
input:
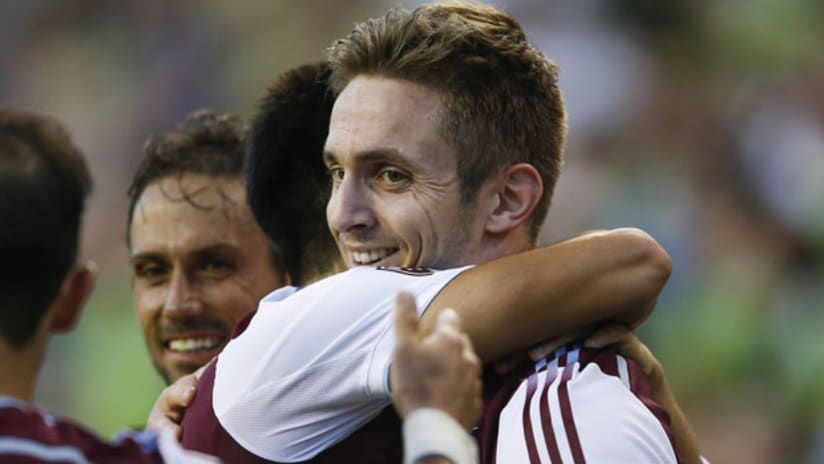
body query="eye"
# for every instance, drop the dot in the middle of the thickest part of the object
(216, 267)
(150, 271)
(336, 173)
(393, 177)
(215, 264)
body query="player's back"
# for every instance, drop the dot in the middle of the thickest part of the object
(577, 405)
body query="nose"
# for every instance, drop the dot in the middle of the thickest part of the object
(349, 208)
(183, 297)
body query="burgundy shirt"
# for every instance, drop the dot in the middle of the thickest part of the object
(29, 435)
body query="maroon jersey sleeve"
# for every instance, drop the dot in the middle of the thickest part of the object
(203, 432)
(378, 442)
(28, 436)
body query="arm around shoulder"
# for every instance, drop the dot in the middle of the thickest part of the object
(641, 268)
(595, 277)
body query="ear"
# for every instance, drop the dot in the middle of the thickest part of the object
(74, 293)
(519, 190)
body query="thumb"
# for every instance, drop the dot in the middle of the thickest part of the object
(406, 318)
(448, 320)
(607, 335)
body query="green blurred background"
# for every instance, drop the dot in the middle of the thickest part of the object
(701, 122)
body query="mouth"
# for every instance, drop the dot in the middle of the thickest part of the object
(193, 349)
(194, 344)
(372, 257)
(181, 348)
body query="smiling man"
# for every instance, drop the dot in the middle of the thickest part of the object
(443, 148)
(444, 145)
(200, 262)
(396, 197)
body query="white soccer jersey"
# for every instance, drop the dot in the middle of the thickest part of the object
(313, 364)
(583, 405)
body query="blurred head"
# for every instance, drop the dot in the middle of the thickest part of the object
(287, 184)
(44, 182)
(446, 138)
(200, 262)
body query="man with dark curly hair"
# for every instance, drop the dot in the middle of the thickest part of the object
(200, 262)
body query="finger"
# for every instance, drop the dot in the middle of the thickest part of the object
(608, 335)
(406, 318)
(186, 391)
(633, 351)
(547, 347)
(476, 402)
(196, 374)
(449, 321)
(633, 348)
(536, 353)
(179, 394)
(171, 427)
(157, 420)
(469, 353)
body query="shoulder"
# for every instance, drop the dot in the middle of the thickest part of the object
(21, 420)
(37, 436)
(31, 435)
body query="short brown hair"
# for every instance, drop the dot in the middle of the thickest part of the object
(500, 94)
(44, 182)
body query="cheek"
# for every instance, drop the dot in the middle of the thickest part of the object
(331, 208)
(148, 304)
(420, 222)
(231, 303)
(236, 310)
(401, 214)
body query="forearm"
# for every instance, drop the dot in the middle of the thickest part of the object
(682, 432)
(519, 300)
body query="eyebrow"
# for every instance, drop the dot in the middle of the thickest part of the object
(217, 248)
(379, 155)
(147, 256)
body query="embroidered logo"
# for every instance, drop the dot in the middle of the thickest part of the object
(410, 271)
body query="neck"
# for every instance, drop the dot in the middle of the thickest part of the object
(18, 369)
(498, 246)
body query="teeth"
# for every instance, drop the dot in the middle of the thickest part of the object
(366, 257)
(193, 344)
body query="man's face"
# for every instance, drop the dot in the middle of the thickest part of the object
(396, 194)
(199, 267)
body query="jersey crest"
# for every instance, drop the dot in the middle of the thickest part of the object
(410, 271)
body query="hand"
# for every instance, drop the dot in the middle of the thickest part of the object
(537, 352)
(169, 408)
(630, 346)
(439, 371)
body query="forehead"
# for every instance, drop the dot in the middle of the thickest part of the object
(377, 114)
(194, 211)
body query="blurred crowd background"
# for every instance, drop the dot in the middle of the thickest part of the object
(699, 121)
